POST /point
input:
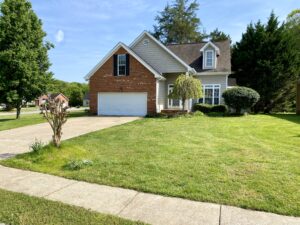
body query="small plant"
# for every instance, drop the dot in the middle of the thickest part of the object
(37, 146)
(78, 164)
(198, 113)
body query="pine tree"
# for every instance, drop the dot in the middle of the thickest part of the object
(178, 23)
(266, 60)
(217, 35)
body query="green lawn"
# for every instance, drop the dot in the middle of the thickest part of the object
(10, 122)
(250, 162)
(20, 209)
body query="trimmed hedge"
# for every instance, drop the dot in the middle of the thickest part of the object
(202, 108)
(240, 98)
(219, 108)
(210, 108)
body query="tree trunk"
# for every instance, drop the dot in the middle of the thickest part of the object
(57, 137)
(183, 104)
(19, 106)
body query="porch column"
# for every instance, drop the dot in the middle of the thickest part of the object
(298, 98)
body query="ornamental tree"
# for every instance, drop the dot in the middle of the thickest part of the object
(24, 60)
(240, 98)
(186, 87)
(55, 112)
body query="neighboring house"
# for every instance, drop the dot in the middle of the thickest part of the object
(43, 98)
(136, 79)
(86, 100)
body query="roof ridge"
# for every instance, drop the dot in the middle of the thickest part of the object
(194, 43)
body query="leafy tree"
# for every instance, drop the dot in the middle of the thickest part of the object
(24, 61)
(76, 97)
(217, 35)
(178, 23)
(186, 87)
(74, 91)
(266, 60)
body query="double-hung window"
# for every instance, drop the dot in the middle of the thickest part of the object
(211, 94)
(121, 65)
(209, 58)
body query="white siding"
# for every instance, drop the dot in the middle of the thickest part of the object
(161, 95)
(157, 57)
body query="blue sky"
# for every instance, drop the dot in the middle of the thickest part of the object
(83, 31)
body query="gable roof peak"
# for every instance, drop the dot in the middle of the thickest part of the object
(116, 48)
(210, 43)
(161, 45)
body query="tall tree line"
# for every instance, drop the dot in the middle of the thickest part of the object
(267, 60)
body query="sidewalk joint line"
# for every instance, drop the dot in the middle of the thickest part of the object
(68, 185)
(128, 203)
(220, 215)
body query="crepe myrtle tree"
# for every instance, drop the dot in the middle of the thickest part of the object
(56, 113)
(186, 87)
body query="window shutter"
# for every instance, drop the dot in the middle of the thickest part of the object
(127, 64)
(115, 65)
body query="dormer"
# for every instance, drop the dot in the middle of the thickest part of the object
(210, 53)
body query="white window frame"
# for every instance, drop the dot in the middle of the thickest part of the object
(118, 65)
(213, 59)
(213, 87)
(170, 106)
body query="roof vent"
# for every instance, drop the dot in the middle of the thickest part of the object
(146, 42)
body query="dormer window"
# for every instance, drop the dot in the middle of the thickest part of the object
(210, 52)
(209, 59)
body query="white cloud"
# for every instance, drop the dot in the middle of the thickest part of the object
(59, 36)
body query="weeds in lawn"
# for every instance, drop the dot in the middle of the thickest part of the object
(78, 164)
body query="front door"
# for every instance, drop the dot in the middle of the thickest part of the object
(173, 103)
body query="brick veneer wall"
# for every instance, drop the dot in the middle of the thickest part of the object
(140, 79)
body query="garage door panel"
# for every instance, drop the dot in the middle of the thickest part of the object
(122, 104)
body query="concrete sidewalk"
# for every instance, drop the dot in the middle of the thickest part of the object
(133, 205)
(17, 141)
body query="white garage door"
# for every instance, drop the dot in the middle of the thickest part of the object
(122, 104)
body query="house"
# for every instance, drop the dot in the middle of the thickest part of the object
(86, 100)
(136, 79)
(43, 98)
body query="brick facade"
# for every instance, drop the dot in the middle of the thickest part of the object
(140, 79)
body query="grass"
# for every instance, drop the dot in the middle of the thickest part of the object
(10, 122)
(20, 209)
(25, 109)
(250, 162)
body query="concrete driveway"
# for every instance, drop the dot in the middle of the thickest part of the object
(17, 141)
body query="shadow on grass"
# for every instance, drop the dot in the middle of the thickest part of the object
(4, 120)
(289, 117)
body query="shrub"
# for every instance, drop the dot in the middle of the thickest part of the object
(240, 98)
(78, 164)
(219, 108)
(202, 108)
(37, 146)
(198, 113)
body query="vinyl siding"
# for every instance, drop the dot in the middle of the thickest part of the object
(157, 57)
(161, 96)
(215, 79)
